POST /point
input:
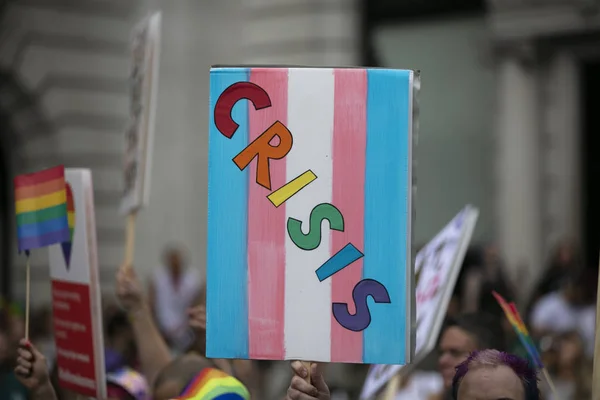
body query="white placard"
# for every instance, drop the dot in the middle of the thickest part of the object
(76, 304)
(139, 135)
(437, 267)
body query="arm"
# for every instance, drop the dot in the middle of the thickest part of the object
(153, 351)
(44, 392)
(152, 298)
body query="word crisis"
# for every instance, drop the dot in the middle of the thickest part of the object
(263, 151)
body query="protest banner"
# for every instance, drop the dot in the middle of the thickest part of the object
(437, 267)
(76, 305)
(139, 135)
(329, 145)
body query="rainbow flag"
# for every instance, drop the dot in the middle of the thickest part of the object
(41, 208)
(213, 384)
(513, 316)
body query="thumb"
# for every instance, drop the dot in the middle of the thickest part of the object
(316, 378)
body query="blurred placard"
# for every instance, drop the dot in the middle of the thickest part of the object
(143, 80)
(437, 267)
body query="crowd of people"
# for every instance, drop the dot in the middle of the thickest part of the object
(155, 342)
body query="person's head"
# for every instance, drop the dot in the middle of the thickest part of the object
(464, 334)
(120, 336)
(493, 375)
(127, 384)
(173, 379)
(564, 255)
(174, 259)
(116, 392)
(579, 286)
(570, 350)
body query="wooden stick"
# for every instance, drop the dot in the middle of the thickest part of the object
(129, 240)
(392, 387)
(306, 365)
(596, 373)
(27, 294)
(550, 383)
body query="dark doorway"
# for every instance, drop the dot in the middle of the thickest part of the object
(590, 159)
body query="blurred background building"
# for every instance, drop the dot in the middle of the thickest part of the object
(507, 110)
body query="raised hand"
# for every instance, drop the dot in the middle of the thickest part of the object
(197, 317)
(301, 390)
(128, 289)
(31, 369)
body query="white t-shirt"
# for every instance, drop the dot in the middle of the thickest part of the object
(553, 313)
(421, 386)
(172, 302)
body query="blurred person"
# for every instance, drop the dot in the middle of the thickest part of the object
(494, 375)
(459, 337)
(157, 363)
(483, 273)
(120, 348)
(190, 375)
(32, 372)
(173, 288)
(570, 370)
(127, 384)
(463, 335)
(564, 259)
(570, 308)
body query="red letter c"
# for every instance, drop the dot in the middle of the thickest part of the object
(230, 96)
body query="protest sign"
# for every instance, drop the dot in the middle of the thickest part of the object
(436, 269)
(76, 306)
(145, 51)
(290, 148)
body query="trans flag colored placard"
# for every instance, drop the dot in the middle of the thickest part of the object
(310, 207)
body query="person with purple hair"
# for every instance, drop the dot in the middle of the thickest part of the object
(495, 375)
(459, 337)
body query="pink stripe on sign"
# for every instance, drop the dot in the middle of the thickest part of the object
(266, 230)
(349, 145)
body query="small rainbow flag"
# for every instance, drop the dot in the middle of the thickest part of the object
(41, 208)
(513, 316)
(213, 384)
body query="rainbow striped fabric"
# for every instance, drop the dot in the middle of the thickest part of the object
(41, 208)
(131, 381)
(214, 384)
(513, 316)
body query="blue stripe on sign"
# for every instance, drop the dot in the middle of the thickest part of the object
(227, 266)
(387, 187)
(42, 228)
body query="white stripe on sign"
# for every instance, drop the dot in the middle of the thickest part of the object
(308, 301)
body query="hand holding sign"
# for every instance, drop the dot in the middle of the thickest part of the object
(300, 389)
(128, 289)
